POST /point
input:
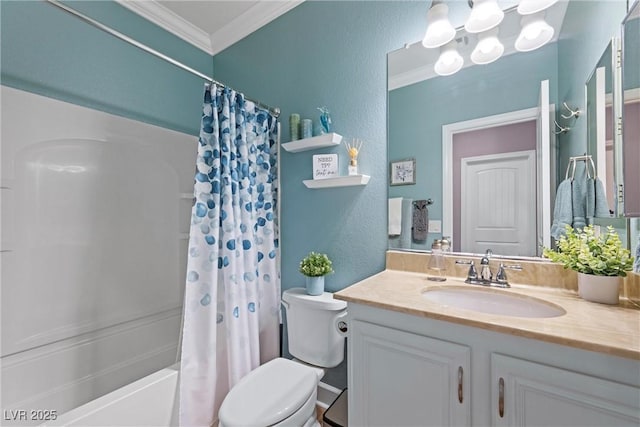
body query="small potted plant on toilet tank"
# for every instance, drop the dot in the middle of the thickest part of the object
(600, 261)
(315, 266)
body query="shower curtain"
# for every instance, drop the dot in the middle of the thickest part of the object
(232, 296)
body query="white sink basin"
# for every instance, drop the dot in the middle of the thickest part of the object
(492, 302)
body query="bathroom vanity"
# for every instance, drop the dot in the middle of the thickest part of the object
(413, 361)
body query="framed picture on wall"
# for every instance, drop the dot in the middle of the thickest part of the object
(402, 172)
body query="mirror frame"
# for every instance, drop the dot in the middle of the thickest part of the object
(616, 122)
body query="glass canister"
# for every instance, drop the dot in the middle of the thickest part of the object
(437, 266)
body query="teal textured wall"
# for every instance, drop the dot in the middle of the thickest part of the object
(49, 52)
(331, 54)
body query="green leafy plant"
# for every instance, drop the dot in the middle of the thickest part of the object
(584, 252)
(315, 264)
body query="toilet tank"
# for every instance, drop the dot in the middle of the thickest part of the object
(311, 327)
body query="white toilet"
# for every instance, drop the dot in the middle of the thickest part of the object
(283, 392)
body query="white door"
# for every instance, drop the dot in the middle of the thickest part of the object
(404, 379)
(498, 203)
(530, 394)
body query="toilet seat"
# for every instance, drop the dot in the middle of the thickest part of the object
(288, 384)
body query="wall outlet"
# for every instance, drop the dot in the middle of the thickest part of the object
(435, 226)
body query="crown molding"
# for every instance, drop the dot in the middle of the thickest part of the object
(153, 11)
(251, 20)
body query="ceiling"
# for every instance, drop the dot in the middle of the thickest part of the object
(210, 25)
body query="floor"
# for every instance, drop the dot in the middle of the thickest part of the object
(319, 412)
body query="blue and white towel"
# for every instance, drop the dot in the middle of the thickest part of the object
(563, 209)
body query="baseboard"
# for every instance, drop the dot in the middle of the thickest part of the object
(327, 394)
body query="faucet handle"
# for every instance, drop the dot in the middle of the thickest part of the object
(501, 275)
(472, 274)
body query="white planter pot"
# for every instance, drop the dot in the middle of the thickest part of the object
(315, 285)
(602, 289)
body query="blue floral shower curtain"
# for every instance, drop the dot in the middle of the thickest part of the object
(232, 297)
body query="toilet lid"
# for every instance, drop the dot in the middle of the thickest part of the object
(268, 394)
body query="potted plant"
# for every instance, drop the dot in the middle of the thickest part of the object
(601, 262)
(315, 266)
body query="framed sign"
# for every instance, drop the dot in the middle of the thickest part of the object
(325, 166)
(402, 172)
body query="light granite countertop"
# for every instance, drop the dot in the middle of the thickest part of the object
(609, 329)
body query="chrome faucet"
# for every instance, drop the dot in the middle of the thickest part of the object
(485, 277)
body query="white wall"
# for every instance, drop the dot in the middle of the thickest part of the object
(95, 222)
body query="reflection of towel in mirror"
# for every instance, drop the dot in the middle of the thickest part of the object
(407, 213)
(395, 216)
(579, 196)
(420, 220)
(562, 211)
(596, 199)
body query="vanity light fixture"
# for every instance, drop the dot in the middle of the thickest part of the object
(484, 20)
(534, 34)
(450, 61)
(488, 48)
(439, 28)
(485, 15)
(528, 7)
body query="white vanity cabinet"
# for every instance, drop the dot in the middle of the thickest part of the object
(405, 379)
(403, 371)
(530, 394)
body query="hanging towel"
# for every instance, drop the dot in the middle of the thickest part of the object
(579, 192)
(562, 211)
(420, 221)
(395, 216)
(599, 203)
(405, 235)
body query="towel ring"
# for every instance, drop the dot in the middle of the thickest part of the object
(572, 162)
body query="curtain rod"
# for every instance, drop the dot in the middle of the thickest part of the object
(273, 110)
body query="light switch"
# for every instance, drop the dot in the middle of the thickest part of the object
(435, 226)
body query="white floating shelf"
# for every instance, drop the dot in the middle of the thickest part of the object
(326, 140)
(341, 181)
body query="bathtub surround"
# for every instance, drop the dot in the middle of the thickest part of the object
(95, 213)
(232, 299)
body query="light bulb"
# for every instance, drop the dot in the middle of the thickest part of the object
(450, 61)
(485, 14)
(528, 7)
(534, 34)
(439, 29)
(488, 48)
(532, 31)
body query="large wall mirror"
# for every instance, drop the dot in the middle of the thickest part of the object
(487, 134)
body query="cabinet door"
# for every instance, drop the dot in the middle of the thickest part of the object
(404, 379)
(530, 394)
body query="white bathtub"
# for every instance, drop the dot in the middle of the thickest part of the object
(150, 401)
